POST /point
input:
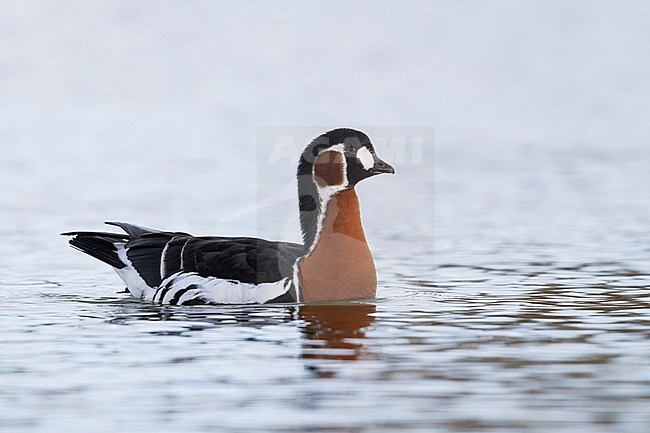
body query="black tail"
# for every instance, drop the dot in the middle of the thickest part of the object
(99, 245)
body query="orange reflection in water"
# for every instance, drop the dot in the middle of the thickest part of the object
(335, 332)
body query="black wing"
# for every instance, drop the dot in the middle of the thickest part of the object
(248, 260)
(156, 254)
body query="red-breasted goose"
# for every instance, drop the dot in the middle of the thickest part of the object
(333, 264)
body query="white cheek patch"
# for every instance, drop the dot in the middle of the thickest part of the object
(365, 157)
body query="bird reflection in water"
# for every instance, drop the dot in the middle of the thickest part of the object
(334, 332)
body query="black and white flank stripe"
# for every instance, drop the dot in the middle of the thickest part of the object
(180, 269)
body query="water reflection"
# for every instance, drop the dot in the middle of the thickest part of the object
(329, 332)
(335, 332)
(534, 344)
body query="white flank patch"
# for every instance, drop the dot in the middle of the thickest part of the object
(365, 157)
(217, 290)
(130, 276)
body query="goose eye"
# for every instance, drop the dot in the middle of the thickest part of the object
(352, 150)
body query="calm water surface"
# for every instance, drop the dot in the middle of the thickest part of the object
(521, 315)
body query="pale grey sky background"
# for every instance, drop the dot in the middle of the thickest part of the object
(122, 106)
(500, 70)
